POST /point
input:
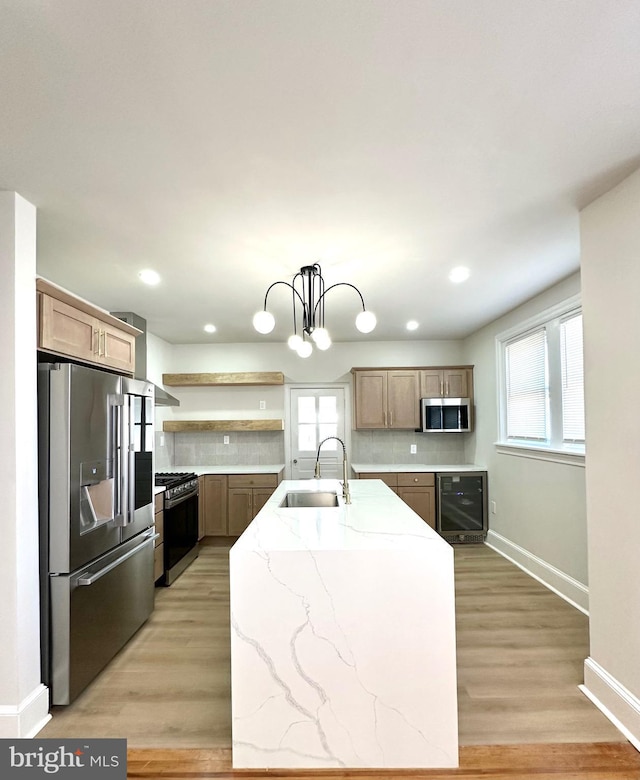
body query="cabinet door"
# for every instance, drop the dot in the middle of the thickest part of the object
(403, 399)
(370, 390)
(423, 502)
(202, 508)
(260, 498)
(215, 505)
(239, 509)
(456, 384)
(431, 383)
(117, 348)
(66, 330)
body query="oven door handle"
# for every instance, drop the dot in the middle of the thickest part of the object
(184, 497)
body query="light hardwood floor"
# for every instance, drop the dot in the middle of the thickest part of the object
(520, 655)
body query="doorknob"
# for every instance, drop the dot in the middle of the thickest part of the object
(295, 460)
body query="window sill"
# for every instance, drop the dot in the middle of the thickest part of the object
(566, 457)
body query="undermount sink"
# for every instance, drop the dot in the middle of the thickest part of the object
(310, 498)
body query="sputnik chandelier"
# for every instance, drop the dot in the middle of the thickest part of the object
(308, 309)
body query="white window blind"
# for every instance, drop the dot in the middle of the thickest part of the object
(527, 387)
(572, 379)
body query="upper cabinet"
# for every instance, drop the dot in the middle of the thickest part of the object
(72, 327)
(390, 397)
(446, 382)
(386, 398)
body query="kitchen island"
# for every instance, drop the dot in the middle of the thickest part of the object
(342, 635)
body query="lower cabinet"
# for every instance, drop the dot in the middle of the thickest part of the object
(212, 520)
(247, 494)
(158, 553)
(419, 492)
(229, 502)
(416, 489)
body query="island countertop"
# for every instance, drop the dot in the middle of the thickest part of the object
(376, 519)
(343, 649)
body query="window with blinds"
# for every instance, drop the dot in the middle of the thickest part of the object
(572, 379)
(527, 387)
(541, 383)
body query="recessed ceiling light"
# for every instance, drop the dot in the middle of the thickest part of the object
(210, 328)
(149, 277)
(459, 274)
(412, 325)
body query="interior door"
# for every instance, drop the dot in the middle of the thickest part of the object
(316, 413)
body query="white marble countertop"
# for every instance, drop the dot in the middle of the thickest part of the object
(343, 648)
(383, 468)
(376, 519)
(158, 489)
(271, 468)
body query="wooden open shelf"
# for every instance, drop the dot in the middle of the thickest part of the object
(190, 426)
(247, 378)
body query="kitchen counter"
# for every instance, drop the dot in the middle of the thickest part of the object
(383, 468)
(273, 468)
(158, 489)
(343, 635)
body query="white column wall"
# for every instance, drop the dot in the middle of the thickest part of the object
(610, 237)
(24, 701)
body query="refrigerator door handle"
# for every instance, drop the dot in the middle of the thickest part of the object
(149, 536)
(131, 459)
(121, 448)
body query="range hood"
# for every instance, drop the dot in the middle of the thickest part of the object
(162, 398)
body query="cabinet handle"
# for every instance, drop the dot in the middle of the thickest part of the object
(385, 419)
(96, 342)
(104, 343)
(415, 479)
(441, 388)
(447, 387)
(391, 419)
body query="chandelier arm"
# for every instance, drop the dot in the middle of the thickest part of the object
(321, 298)
(339, 284)
(288, 285)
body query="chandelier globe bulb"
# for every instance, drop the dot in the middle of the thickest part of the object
(319, 335)
(366, 321)
(305, 349)
(264, 321)
(294, 341)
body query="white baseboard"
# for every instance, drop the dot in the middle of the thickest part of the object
(568, 588)
(615, 701)
(25, 719)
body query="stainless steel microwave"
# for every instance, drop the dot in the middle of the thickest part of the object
(445, 415)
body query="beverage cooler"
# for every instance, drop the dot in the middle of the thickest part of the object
(462, 506)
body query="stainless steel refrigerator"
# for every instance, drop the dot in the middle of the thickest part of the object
(96, 519)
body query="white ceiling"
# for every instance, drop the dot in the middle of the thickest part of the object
(227, 143)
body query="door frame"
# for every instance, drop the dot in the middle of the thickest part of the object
(346, 386)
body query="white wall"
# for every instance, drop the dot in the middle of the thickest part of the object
(540, 520)
(610, 237)
(23, 699)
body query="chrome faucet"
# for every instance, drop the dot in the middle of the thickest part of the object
(346, 494)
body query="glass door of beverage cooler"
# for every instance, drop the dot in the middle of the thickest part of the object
(462, 506)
